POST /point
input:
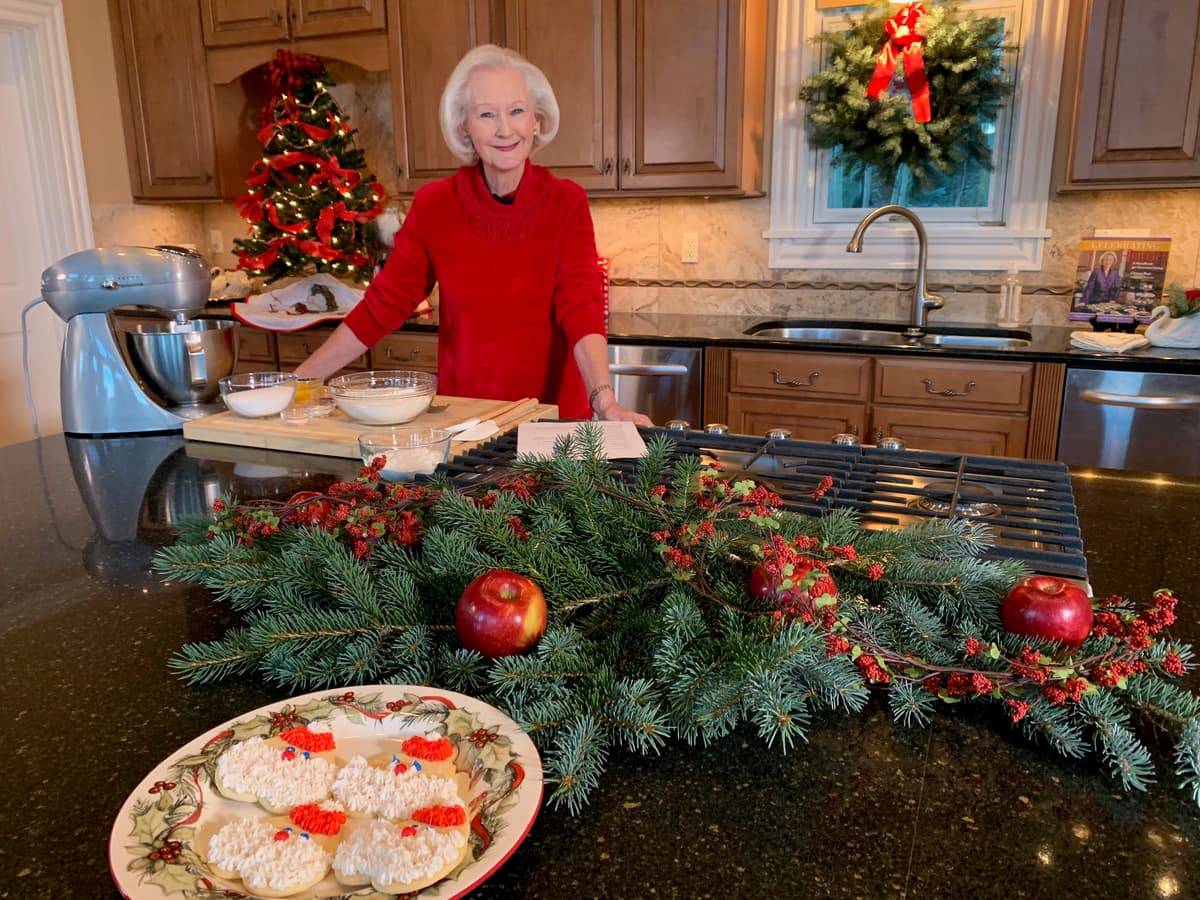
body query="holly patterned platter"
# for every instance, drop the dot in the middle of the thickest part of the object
(157, 845)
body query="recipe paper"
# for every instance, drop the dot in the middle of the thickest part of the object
(620, 439)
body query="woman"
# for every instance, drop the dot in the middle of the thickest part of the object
(511, 248)
(1104, 282)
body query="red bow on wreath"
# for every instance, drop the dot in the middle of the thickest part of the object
(903, 40)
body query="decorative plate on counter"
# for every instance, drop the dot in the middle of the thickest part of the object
(299, 304)
(158, 842)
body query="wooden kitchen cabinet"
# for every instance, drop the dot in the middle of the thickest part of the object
(257, 350)
(295, 347)
(964, 405)
(166, 106)
(662, 97)
(812, 395)
(234, 22)
(1130, 107)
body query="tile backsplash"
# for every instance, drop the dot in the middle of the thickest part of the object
(643, 236)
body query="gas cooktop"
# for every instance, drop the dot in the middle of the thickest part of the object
(1027, 505)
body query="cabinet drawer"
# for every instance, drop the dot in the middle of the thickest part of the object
(836, 376)
(406, 351)
(955, 384)
(295, 348)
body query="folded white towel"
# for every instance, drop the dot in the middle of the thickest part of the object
(1107, 341)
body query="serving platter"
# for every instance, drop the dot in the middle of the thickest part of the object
(158, 839)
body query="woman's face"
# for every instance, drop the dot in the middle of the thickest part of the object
(1106, 262)
(500, 123)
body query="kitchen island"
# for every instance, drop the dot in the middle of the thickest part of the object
(962, 808)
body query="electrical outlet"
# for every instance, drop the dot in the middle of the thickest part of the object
(690, 251)
(216, 240)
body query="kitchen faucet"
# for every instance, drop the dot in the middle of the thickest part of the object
(922, 302)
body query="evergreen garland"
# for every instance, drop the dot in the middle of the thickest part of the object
(653, 633)
(308, 202)
(966, 83)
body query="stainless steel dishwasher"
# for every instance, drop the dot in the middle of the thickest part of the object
(1140, 421)
(663, 382)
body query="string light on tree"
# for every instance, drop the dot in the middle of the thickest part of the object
(308, 202)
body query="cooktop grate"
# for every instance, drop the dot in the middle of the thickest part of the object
(1027, 504)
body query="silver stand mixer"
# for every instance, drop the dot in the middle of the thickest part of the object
(163, 372)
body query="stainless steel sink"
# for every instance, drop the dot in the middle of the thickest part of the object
(869, 333)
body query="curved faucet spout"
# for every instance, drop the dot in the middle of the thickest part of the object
(922, 301)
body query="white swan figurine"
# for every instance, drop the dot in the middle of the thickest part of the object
(1166, 331)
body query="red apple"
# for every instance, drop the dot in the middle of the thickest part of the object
(307, 508)
(766, 586)
(1044, 606)
(501, 613)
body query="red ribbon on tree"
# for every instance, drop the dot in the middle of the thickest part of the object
(330, 214)
(903, 41)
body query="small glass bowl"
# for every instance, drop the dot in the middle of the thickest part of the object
(313, 400)
(384, 397)
(408, 451)
(257, 395)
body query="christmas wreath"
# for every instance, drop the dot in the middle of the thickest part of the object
(950, 64)
(679, 604)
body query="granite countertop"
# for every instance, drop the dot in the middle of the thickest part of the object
(1049, 343)
(962, 808)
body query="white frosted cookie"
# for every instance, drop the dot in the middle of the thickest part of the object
(390, 793)
(271, 861)
(256, 771)
(398, 858)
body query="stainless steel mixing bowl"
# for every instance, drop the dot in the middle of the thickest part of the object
(182, 363)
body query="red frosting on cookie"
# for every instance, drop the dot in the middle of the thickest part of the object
(422, 748)
(312, 741)
(441, 816)
(315, 820)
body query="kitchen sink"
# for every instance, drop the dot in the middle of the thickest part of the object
(871, 333)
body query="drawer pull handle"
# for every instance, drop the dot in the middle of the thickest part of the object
(948, 392)
(412, 354)
(792, 382)
(607, 168)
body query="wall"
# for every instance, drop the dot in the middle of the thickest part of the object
(642, 236)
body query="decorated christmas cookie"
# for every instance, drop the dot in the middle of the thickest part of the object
(394, 791)
(397, 858)
(277, 778)
(270, 861)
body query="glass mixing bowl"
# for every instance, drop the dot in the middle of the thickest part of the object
(407, 451)
(257, 395)
(384, 397)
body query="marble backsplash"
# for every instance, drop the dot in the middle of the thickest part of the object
(642, 237)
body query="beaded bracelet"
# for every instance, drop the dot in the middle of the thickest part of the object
(596, 392)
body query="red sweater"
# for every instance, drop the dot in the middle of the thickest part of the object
(519, 286)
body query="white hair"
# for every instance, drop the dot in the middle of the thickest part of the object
(456, 98)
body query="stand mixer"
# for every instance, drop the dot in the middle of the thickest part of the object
(148, 385)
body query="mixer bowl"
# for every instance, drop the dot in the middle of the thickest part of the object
(182, 363)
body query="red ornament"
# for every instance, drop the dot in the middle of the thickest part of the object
(806, 586)
(501, 613)
(1044, 606)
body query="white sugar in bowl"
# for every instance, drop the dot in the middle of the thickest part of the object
(257, 395)
(407, 451)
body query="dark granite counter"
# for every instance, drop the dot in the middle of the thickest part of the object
(963, 808)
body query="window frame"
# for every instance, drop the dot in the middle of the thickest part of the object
(798, 240)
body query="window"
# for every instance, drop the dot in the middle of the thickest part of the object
(975, 219)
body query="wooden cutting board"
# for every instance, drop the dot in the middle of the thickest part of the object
(336, 435)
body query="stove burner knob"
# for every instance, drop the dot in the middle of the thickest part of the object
(778, 434)
(716, 428)
(890, 443)
(846, 440)
(679, 425)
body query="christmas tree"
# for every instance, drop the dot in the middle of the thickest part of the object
(681, 605)
(308, 201)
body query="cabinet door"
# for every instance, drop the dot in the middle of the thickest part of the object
(256, 350)
(232, 22)
(574, 42)
(681, 97)
(1134, 126)
(295, 348)
(314, 18)
(994, 386)
(946, 431)
(807, 420)
(406, 351)
(428, 38)
(163, 85)
(800, 375)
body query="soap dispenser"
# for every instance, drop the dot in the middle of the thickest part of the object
(1010, 299)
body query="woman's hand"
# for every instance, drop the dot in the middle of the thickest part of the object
(615, 412)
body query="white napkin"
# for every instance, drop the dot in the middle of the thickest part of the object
(1107, 341)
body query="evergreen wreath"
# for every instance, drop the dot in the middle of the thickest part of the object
(967, 87)
(654, 629)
